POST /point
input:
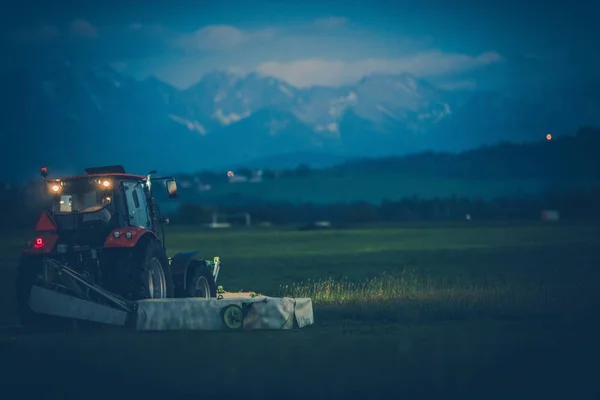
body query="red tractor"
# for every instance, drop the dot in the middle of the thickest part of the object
(102, 241)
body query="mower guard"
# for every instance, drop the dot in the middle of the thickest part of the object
(260, 312)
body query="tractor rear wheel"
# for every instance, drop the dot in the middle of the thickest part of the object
(150, 273)
(27, 274)
(200, 282)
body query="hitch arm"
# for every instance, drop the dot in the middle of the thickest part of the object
(116, 300)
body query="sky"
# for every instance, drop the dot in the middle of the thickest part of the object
(309, 43)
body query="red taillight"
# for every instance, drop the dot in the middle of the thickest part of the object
(39, 243)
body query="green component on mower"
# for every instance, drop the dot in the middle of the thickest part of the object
(212, 264)
(233, 316)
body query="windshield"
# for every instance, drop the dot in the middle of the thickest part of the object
(81, 198)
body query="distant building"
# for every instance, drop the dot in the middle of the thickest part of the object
(256, 176)
(550, 215)
(237, 179)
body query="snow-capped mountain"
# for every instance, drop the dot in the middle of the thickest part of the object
(74, 116)
(221, 99)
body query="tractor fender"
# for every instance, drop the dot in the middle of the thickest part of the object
(180, 265)
(127, 237)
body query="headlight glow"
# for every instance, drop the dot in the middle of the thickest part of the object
(53, 187)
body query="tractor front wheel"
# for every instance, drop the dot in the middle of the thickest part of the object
(200, 282)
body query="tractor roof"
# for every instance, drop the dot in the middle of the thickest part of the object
(116, 171)
(111, 169)
(121, 176)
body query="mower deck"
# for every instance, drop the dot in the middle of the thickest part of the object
(237, 311)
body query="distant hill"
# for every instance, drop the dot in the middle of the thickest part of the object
(504, 170)
(568, 157)
(314, 159)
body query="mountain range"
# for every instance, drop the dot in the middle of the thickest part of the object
(70, 116)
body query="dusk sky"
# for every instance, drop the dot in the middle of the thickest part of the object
(310, 43)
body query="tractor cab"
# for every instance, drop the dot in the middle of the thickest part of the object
(104, 199)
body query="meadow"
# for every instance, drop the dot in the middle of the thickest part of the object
(446, 310)
(324, 188)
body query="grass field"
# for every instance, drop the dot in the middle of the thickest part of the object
(456, 310)
(330, 188)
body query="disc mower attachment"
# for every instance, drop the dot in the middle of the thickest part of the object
(229, 313)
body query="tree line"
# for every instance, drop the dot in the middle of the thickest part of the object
(21, 207)
(559, 158)
(574, 205)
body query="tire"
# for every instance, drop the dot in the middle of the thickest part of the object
(27, 273)
(150, 272)
(200, 281)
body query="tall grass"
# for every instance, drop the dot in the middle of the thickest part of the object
(409, 296)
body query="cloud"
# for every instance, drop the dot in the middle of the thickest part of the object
(311, 72)
(83, 28)
(331, 22)
(221, 37)
(459, 85)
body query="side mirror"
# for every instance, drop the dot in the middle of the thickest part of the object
(172, 189)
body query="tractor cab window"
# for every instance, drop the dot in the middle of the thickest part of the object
(137, 206)
(81, 201)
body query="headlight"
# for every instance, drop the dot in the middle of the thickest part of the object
(103, 183)
(53, 187)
